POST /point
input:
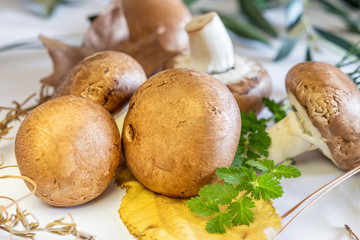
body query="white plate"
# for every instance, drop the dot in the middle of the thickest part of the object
(21, 70)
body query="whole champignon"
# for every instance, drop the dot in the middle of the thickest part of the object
(109, 78)
(326, 116)
(180, 127)
(212, 51)
(70, 146)
(145, 17)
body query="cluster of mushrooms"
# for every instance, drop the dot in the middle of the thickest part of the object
(183, 106)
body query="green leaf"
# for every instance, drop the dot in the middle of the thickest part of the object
(283, 171)
(232, 175)
(221, 193)
(243, 29)
(261, 4)
(350, 57)
(254, 140)
(336, 39)
(239, 159)
(286, 48)
(267, 188)
(242, 211)
(294, 13)
(330, 7)
(217, 224)
(275, 108)
(308, 56)
(203, 208)
(354, 3)
(259, 143)
(248, 180)
(251, 10)
(189, 2)
(264, 165)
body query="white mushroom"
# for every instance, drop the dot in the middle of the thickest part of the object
(212, 51)
(326, 116)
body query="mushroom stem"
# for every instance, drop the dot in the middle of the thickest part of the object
(211, 48)
(289, 138)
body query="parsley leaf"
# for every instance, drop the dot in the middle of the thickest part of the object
(251, 177)
(221, 193)
(218, 223)
(277, 109)
(248, 180)
(203, 208)
(230, 175)
(254, 140)
(267, 187)
(264, 165)
(242, 211)
(284, 171)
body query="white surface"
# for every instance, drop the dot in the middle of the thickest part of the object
(20, 71)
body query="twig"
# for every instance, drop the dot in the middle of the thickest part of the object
(14, 113)
(351, 233)
(28, 222)
(317, 195)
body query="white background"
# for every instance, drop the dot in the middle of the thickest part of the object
(21, 70)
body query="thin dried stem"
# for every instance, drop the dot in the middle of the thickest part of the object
(351, 233)
(317, 195)
(25, 225)
(14, 113)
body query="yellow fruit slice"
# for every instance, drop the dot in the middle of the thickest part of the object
(148, 215)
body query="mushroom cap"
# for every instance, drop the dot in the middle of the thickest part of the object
(148, 16)
(248, 81)
(181, 126)
(330, 99)
(70, 146)
(109, 78)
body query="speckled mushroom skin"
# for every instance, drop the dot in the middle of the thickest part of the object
(180, 127)
(332, 102)
(70, 146)
(109, 78)
(250, 82)
(250, 90)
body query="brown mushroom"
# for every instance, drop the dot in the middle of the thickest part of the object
(109, 78)
(70, 146)
(326, 116)
(180, 127)
(145, 17)
(212, 51)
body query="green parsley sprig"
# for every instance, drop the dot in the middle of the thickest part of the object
(254, 140)
(252, 177)
(278, 109)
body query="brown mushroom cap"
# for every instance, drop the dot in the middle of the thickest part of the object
(109, 78)
(251, 86)
(180, 127)
(70, 146)
(145, 17)
(331, 101)
(248, 81)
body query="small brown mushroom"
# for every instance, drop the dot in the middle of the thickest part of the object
(70, 146)
(180, 127)
(109, 78)
(145, 17)
(212, 51)
(326, 116)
